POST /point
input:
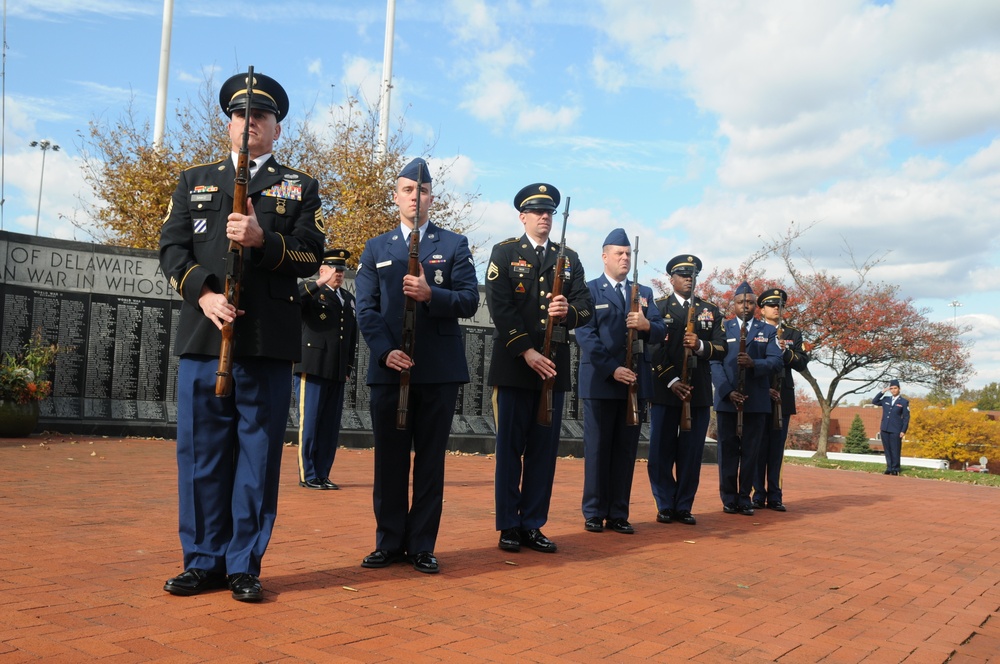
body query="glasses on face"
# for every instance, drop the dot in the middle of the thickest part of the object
(338, 269)
(540, 213)
(768, 304)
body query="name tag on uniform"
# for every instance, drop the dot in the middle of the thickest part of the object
(601, 306)
(731, 340)
(201, 198)
(383, 264)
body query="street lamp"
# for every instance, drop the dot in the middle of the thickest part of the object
(44, 146)
(955, 304)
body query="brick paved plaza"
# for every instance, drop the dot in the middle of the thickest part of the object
(862, 568)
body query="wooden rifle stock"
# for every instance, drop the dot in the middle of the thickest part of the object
(553, 335)
(741, 383)
(633, 346)
(410, 314)
(234, 255)
(690, 359)
(777, 419)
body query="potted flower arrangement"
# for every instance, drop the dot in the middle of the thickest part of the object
(23, 383)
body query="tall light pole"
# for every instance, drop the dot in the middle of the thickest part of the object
(44, 146)
(954, 304)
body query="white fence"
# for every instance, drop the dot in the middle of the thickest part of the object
(936, 464)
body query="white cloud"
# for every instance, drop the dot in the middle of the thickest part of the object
(608, 74)
(364, 76)
(964, 99)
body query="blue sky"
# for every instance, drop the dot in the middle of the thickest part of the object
(699, 126)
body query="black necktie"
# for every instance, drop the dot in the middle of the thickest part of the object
(746, 327)
(540, 250)
(621, 291)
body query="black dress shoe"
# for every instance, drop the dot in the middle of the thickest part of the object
(729, 508)
(194, 581)
(425, 562)
(685, 517)
(777, 506)
(745, 510)
(382, 558)
(593, 524)
(327, 484)
(314, 483)
(534, 539)
(895, 472)
(665, 516)
(887, 472)
(757, 504)
(246, 587)
(621, 526)
(510, 539)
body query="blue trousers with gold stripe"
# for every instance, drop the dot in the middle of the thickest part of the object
(525, 457)
(229, 460)
(321, 405)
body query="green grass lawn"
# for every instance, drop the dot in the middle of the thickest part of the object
(983, 479)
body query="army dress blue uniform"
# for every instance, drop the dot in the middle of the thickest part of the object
(610, 445)
(518, 279)
(329, 347)
(675, 456)
(229, 448)
(738, 453)
(440, 366)
(895, 422)
(767, 482)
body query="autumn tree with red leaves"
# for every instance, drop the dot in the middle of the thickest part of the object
(861, 333)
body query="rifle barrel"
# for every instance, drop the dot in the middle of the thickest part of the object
(234, 254)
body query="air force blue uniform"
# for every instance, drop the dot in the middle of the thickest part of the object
(895, 421)
(609, 444)
(738, 454)
(440, 367)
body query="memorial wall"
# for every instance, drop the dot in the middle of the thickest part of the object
(112, 312)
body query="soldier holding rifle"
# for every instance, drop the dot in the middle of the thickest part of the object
(520, 280)
(742, 380)
(682, 384)
(229, 446)
(444, 289)
(767, 480)
(610, 435)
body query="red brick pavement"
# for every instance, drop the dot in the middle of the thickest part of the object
(862, 568)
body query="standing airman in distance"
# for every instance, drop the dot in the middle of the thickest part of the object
(519, 295)
(742, 381)
(610, 443)
(329, 345)
(675, 455)
(895, 422)
(445, 290)
(767, 482)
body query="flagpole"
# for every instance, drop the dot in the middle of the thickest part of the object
(161, 86)
(390, 21)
